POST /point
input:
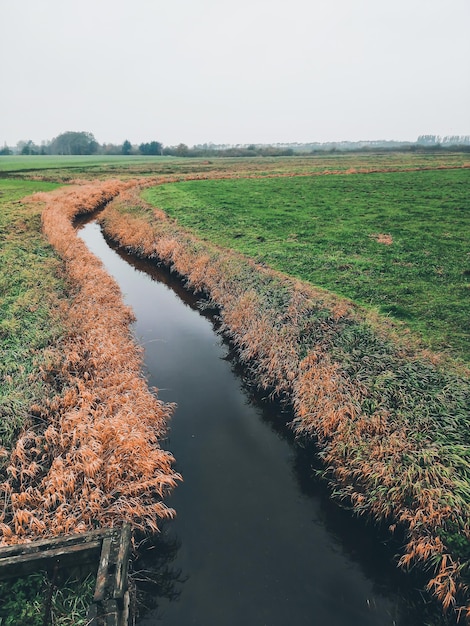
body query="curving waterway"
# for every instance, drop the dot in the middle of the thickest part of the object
(256, 540)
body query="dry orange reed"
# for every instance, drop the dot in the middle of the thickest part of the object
(97, 461)
(365, 453)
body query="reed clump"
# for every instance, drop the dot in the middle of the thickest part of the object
(391, 420)
(93, 457)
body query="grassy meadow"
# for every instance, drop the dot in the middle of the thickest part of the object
(68, 168)
(395, 241)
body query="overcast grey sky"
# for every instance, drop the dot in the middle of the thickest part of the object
(229, 71)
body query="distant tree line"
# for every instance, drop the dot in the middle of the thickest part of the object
(448, 140)
(84, 143)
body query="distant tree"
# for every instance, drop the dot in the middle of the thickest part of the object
(126, 147)
(182, 150)
(110, 148)
(5, 151)
(456, 140)
(152, 148)
(428, 140)
(27, 147)
(74, 143)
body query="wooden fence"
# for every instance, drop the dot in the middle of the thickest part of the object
(109, 548)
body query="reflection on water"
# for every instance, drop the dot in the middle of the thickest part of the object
(153, 572)
(256, 539)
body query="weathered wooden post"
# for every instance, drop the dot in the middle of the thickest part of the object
(111, 598)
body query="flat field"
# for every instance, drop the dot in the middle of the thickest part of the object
(396, 241)
(65, 168)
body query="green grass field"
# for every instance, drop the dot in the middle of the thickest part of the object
(39, 162)
(30, 287)
(64, 168)
(325, 229)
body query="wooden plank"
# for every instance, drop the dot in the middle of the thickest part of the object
(24, 564)
(102, 575)
(54, 542)
(122, 563)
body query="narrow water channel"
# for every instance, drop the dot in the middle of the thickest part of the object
(256, 541)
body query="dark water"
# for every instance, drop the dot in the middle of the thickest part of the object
(256, 541)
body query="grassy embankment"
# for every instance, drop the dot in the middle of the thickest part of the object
(33, 294)
(79, 427)
(391, 417)
(76, 464)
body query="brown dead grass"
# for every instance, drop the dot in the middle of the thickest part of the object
(97, 460)
(383, 238)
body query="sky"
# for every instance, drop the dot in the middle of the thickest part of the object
(234, 72)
